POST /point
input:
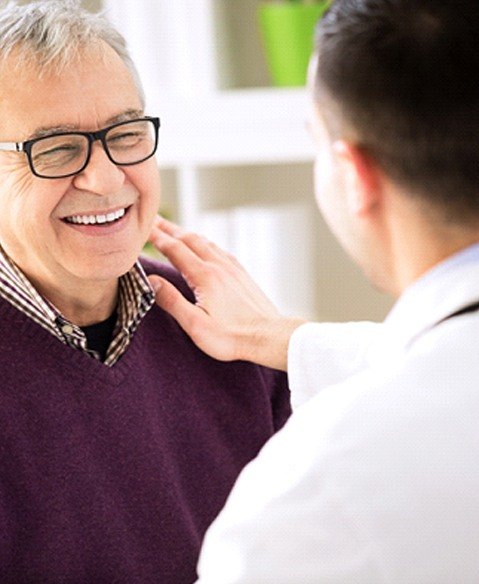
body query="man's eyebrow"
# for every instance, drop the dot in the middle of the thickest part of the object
(131, 114)
(48, 130)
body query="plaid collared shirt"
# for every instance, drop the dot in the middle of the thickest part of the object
(136, 297)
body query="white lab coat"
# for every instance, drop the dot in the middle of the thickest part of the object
(375, 477)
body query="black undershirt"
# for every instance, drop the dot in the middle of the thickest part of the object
(100, 334)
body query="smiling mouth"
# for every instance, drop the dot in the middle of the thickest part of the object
(105, 219)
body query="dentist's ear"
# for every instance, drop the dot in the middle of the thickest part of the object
(362, 177)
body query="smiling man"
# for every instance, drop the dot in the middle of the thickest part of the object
(119, 439)
(75, 234)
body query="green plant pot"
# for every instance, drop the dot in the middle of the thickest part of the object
(287, 31)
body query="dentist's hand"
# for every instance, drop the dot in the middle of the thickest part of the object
(232, 318)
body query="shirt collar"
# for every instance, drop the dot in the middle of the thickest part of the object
(446, 288)
(136, 296)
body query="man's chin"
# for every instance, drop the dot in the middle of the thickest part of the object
(105, 267)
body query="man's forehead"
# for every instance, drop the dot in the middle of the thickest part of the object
(95, 90)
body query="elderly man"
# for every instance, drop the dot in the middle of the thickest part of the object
(375, 478)
(119, 439)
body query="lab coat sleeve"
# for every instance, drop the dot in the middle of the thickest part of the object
(323, 354)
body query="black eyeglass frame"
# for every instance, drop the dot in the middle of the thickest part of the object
(92, 137)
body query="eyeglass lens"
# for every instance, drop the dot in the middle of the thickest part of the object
(128, 143)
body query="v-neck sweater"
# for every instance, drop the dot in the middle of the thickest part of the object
(112, 474)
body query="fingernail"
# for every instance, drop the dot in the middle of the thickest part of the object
(156, 285)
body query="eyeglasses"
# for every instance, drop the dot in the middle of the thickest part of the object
(68, 153)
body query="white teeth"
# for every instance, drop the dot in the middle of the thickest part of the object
(95, 219)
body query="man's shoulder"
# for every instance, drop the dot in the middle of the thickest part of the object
(274, 382)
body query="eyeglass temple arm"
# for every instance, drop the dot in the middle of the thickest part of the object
(15, 146)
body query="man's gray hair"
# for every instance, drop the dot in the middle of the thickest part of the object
(52, 34)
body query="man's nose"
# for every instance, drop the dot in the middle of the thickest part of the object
(101, 176)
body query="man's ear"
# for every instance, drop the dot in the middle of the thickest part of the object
(362, 177)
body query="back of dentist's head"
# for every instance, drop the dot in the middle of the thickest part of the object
(399, 79)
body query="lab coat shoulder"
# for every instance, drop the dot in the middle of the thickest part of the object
(323, 354)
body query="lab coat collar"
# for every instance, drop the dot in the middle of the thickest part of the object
(443, 290)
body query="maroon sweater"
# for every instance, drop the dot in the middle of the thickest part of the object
(112, 475)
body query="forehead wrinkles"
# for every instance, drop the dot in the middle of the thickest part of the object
(43, 101)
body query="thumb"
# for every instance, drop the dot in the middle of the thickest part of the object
(172, 301)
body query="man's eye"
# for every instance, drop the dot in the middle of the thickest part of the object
(61, 150)
(125, 139)
(57, 156)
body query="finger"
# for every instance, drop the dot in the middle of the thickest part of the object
(172, 301)
(167, 296)
(167, 226)
(201, 245)
(195, 321)
(177, 252)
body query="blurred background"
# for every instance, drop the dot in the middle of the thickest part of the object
(235, 156)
